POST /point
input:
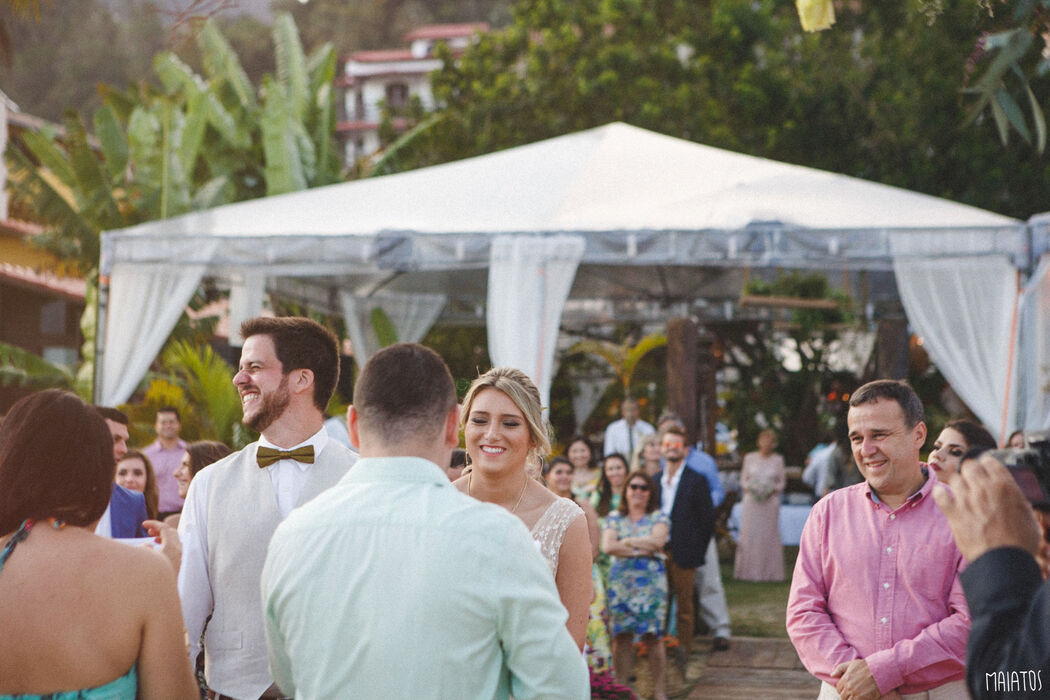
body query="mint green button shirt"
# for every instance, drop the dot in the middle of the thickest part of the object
(392, 584)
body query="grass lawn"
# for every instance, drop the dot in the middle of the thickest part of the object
(757, 609)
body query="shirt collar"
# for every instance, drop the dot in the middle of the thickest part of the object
(318, 440)
(413, 469)
(922, 493)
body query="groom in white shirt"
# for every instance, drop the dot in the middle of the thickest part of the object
(287, 373)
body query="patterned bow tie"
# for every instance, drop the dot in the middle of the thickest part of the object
(268, 455)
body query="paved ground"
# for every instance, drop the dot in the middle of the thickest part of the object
(753, 669)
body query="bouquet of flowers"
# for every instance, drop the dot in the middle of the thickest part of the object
(604, 686)
(761, 489)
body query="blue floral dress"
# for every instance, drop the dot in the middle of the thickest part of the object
(637, 585)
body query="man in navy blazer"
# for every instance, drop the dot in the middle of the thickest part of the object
(685, 497)
(127, 508)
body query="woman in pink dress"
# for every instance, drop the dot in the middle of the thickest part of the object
(759, 554)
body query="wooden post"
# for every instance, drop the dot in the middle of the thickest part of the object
(891, 343)
(682, 372)
(707, 389)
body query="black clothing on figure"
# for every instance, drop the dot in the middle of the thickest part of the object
(1008, 653)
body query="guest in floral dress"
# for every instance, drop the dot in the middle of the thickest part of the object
(635, 536)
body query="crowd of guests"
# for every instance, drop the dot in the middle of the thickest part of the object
(302, 568)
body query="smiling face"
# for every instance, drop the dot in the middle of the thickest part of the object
(131, 474)
(948, 450)
(184, 475)
(559, 478)
(615, 472)
(261, 383)
(637, 494)
(579, 454)
(886, 449)
(672, 447)
(496, 433)
(167, 425)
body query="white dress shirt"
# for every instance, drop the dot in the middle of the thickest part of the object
(288, 478)
(669, 489)
(623, 438)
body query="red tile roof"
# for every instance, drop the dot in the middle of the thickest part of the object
(447, 31)
(383, 55)
(20, 229)
(71, 288)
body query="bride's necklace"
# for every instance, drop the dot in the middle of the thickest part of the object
(521, 495)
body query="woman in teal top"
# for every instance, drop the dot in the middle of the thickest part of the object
(81, 616)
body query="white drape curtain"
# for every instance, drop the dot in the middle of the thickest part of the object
(247, 290)
(1033, 358)
(144, 305)
(965, 310)
(529, 281)
(412, 315)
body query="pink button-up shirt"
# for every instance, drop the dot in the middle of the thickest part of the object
(881, 585)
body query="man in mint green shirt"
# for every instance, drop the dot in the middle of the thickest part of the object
(392, 584)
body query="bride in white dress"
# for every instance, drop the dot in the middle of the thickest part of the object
(505, 436)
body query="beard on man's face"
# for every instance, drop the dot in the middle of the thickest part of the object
(273, 406)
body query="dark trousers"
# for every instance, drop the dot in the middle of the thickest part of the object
(680, 583)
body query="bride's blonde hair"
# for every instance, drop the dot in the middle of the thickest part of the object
(519, 389)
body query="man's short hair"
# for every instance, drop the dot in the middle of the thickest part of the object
(112, 414)
(403, 390)
(301, 343)
(672, 429)
(170, 409)
(894, 390)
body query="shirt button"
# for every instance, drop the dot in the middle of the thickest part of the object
(889, 549)
(885, 585)
(884, 619)
(893, 517)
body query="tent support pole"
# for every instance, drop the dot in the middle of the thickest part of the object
(101, 321)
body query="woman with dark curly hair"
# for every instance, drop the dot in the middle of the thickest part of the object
(958, 437)
(73, 628)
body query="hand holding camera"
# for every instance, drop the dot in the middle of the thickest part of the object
(986, 508)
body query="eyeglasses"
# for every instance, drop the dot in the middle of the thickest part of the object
(638, 487)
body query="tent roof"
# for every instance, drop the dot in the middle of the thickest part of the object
(611, 178)
(657, 204)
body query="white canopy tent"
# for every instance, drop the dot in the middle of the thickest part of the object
(609, 219)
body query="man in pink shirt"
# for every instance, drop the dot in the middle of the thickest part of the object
(165, 454)
(876, 608)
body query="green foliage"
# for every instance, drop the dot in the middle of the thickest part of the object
(382, 24)
(870, 98)
(198, 140)
(61, 51)
(769, 394)
(198, 383)
(386, 333)
(1011, 55)
(19, 368)
(623, 358)
(801, 285)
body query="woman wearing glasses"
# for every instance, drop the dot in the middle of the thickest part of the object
(634, 536)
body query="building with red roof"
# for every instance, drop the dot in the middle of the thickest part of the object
(395, 77)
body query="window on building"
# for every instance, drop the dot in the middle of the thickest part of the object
(53, 318)
(396, 95)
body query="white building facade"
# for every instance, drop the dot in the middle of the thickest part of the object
(395, 77)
